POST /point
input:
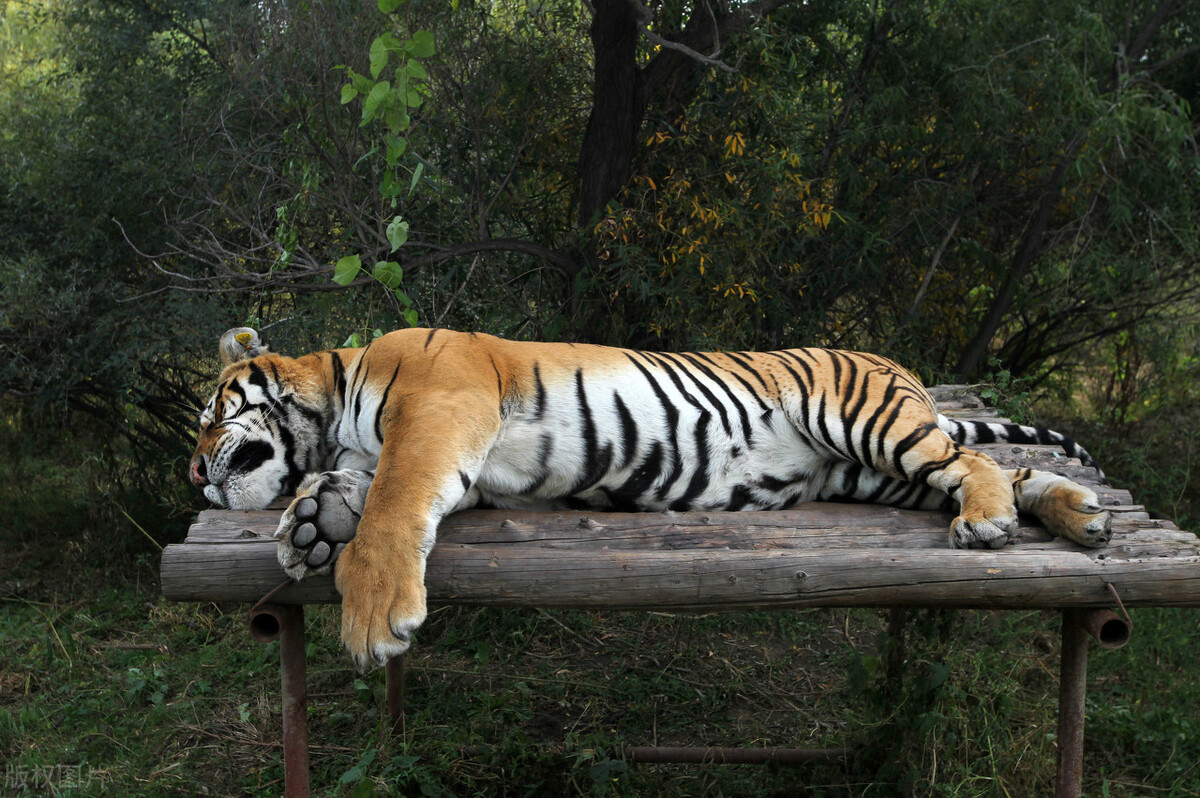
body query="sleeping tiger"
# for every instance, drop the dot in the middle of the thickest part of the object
(380, 443)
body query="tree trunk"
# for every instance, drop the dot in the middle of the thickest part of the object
(606, 154)
(1027, 253)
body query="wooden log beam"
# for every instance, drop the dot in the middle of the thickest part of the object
(812, 556)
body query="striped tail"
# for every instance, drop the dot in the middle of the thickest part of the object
(972, 432)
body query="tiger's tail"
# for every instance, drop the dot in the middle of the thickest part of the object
(972, 432)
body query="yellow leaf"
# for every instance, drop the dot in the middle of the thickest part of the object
(734, 144)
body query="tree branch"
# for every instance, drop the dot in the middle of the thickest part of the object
(645, 18)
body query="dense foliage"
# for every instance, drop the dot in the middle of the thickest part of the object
(966, 186)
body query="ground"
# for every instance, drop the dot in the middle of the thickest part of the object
(141, 696)
(107, 689)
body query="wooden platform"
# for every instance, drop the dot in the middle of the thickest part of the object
(815, 555)
(819, 554)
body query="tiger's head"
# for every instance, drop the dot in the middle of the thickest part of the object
(261, 431)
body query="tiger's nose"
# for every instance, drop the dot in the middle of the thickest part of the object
(199, 472)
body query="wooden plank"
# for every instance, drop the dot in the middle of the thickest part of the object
(667, 560)
(812, 525)
(713, 578)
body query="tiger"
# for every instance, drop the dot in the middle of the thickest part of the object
(379, 443)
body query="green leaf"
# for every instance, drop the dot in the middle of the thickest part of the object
(397, 233)
(396, 146)
(416, 71)
(354, 342)
(410, 318)
(388, 187)
(389, 273)
(379, 56)
(398, 118)
(347, 269)
(348, 93)
(421, 45)
(393, 44)
(352, 775)
(938, 673)
(416, 178)
(388, 6)
(378, 94)
(362, 84)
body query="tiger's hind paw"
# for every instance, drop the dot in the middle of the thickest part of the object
(1068, 509)
(1080, 518)
(319, 523)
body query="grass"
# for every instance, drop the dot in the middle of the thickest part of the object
(106, 689)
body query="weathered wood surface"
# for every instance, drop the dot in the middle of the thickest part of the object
(811, 555)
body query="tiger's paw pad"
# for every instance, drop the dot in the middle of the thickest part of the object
(982, 533)
(315, 528)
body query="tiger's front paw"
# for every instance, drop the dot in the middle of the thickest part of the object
(317, 526)
(383, 603)
(979, 531)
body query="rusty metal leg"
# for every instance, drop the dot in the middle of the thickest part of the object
(1110, 631)
(286, 622)
(293, 666)
(395, 692)
(1072, 690)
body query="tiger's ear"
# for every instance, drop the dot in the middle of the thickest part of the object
(241, 343)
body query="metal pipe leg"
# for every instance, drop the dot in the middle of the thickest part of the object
(1072, 690)
(286, 622)
(1110, 631)
(395, 692)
